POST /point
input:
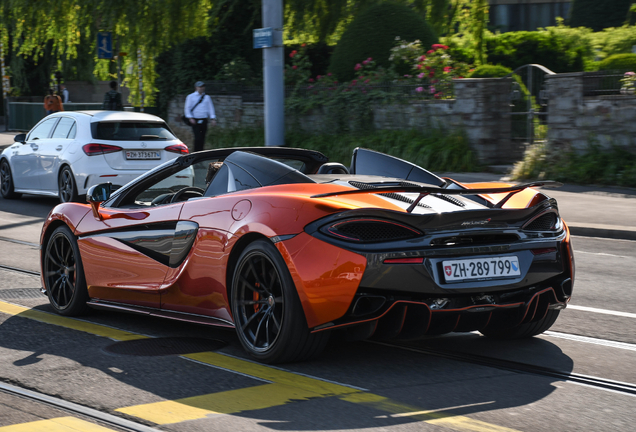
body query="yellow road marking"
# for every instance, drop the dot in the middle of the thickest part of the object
(286, 386)
(70, 323)
(61, 424)
(228, 402)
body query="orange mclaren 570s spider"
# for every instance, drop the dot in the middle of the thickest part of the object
(287, 248)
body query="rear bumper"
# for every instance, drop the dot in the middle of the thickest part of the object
(410, 319)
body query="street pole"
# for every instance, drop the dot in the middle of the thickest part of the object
(274, 90)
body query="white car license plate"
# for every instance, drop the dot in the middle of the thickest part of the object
(481, 268)
(142, 154)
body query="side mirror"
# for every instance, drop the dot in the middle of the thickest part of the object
(21, 138)
(98, 194)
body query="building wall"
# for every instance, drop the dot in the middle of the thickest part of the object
(516, 15)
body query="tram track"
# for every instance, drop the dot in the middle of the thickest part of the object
(513, 366)
(519, 367)
(76, 409)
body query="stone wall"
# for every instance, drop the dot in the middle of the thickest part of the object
(481, 109)
(574, 120)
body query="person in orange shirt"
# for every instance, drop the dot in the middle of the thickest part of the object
(52, 103)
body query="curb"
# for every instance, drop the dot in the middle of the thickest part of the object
(610, 233)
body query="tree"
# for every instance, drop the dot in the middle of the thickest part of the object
(598, 15)
(68, 28)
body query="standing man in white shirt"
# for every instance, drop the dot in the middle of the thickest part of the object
(64, 92)
(199, 110)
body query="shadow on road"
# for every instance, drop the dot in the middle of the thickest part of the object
(75, 366)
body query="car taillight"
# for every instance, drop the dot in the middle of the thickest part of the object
(370, 230)
(178, 148)
(97, 149)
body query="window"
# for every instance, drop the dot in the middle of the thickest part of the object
(64, 127)
(131, 131)
(42, 130)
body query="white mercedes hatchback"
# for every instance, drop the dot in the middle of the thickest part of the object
(68, 152)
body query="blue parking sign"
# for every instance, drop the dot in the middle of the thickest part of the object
(104, 45)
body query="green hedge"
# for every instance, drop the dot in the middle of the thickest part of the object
(560, 49)
(373, 33)
(489, 71)
(618, 62)
(436, 150)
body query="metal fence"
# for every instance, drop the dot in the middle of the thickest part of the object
(603, 83)
(24, 115)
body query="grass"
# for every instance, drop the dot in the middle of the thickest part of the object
(435, 150)
(614, 166)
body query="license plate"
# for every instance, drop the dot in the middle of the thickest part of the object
(481, 268)
(142, 154)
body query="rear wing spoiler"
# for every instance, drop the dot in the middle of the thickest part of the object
(427, 190)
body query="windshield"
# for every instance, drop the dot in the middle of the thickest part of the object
(131, 131)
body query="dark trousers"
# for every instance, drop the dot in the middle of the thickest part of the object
(199, 130)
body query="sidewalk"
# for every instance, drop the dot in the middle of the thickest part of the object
(588, 210)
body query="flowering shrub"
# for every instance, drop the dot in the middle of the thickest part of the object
(629, 83)
(437, 69)
(404, 55)
(298, 73)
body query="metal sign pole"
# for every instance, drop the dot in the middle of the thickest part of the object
(273, 63)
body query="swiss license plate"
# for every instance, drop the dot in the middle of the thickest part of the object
(142, 154)
(481, 268)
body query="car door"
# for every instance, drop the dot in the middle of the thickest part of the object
(126, 252)
(51, 152)
(27, 168)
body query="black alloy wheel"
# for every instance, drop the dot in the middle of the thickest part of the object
(66, 186)
(63, 274)
(6, 182)
(268, 316)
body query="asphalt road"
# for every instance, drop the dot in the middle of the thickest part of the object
(441, 383)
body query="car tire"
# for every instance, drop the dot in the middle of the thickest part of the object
(6, 182)
(67, 190)
(64, 274)
(524, 330)
(268, 315)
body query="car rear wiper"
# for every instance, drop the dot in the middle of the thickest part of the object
(152, 137)
(426, 190)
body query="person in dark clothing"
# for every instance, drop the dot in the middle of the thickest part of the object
(112, 99)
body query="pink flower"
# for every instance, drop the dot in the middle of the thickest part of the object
(430, 51)
(407, 76)
(366, 62)
(630, 73)
(293, 53)
(431, 89)
(370, 59)
(422, 75)
(447, 69)
(422, 58)
(437, 95)
(357, 67)
(431, 74)
(439, 46)
(294, 67)
(428, 68)
(419, 66)
(329, 74)
(354, 82)
(318, 77)
(311, 80)
(419, 89)
(367, 81)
